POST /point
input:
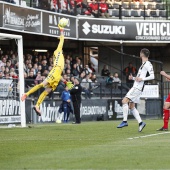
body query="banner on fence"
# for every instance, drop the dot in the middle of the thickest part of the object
(90, 110)
(100, 29)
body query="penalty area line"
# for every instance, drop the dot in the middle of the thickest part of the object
(145, 136)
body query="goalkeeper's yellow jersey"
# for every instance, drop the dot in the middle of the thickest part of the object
(58, 59)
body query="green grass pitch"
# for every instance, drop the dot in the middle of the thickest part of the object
(90, 145)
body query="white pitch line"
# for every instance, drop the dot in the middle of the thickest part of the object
(145, 136)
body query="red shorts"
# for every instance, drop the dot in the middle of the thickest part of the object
(168, 98)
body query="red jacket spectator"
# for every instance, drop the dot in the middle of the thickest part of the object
(103, 6)
(93, 6)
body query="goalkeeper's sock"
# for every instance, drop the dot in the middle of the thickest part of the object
(166, 118)
(41, 98)
(35, 88)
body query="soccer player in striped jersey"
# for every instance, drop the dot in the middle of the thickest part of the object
(145, 73)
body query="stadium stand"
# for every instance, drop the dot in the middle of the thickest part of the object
(116, 9)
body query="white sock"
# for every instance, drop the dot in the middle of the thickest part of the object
(135, 113)
(125, 111)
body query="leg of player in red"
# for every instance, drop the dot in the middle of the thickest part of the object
(166, 106)
(166, 114)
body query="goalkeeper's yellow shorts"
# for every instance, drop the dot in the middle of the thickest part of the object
(54, 77)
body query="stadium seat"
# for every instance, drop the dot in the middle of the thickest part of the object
(158, 0)
(135, 13)
(154, 13)
(110, 11)
(162, 13)
(150, 6)
(115, 13)
(134, 6)
(125, 5)
(141, 6)
(160, 6)
(126, 13)
(147, 13)
(116, 6)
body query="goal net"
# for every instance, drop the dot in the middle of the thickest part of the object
(12, 109)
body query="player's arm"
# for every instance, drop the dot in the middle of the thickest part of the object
(151, 73)
(163, 73)
(60, 45)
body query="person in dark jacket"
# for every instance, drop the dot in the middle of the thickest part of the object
(76, 99)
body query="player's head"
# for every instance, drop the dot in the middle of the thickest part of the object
(144, 53)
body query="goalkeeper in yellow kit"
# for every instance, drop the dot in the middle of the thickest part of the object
(53, 78)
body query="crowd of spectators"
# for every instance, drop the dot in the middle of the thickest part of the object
(37, 66)
(99, 8)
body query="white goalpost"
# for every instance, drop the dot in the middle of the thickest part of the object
(21, 115)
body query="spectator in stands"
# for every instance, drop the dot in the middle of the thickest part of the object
(13, 59)
(1, 64)
(4, 61)
(38, 78)
(8, 64)
(86, 86)
(54, 6)
(130, 70)
(109, 80)
(35, 69)
(63, 6)
(91, 67)
(36, 61)
(6, 70)
(50, 61)
(94, 78)
(1, 75)
(79, 65)
(40, 68)
(105, 71)
(3, 69)
(30, 80)
(103, 7)
(50, 68)
(68, 67)
(87, 70)
(44, 65)
(45, 73)
(93, 9)
(44, 4)
(81, 6)
(75, 71)
(82, 76)
(29, 68)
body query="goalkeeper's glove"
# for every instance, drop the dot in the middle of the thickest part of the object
(70, 85)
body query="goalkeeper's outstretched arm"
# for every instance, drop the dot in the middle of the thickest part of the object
(60, 45)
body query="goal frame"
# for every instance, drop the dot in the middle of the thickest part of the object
(19, 40)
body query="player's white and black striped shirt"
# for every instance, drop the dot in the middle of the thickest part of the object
(146, 73)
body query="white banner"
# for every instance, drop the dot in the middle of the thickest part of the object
(5, 87)
(150, 91)
(10, 119)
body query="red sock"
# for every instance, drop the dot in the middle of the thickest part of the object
(166, 118)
